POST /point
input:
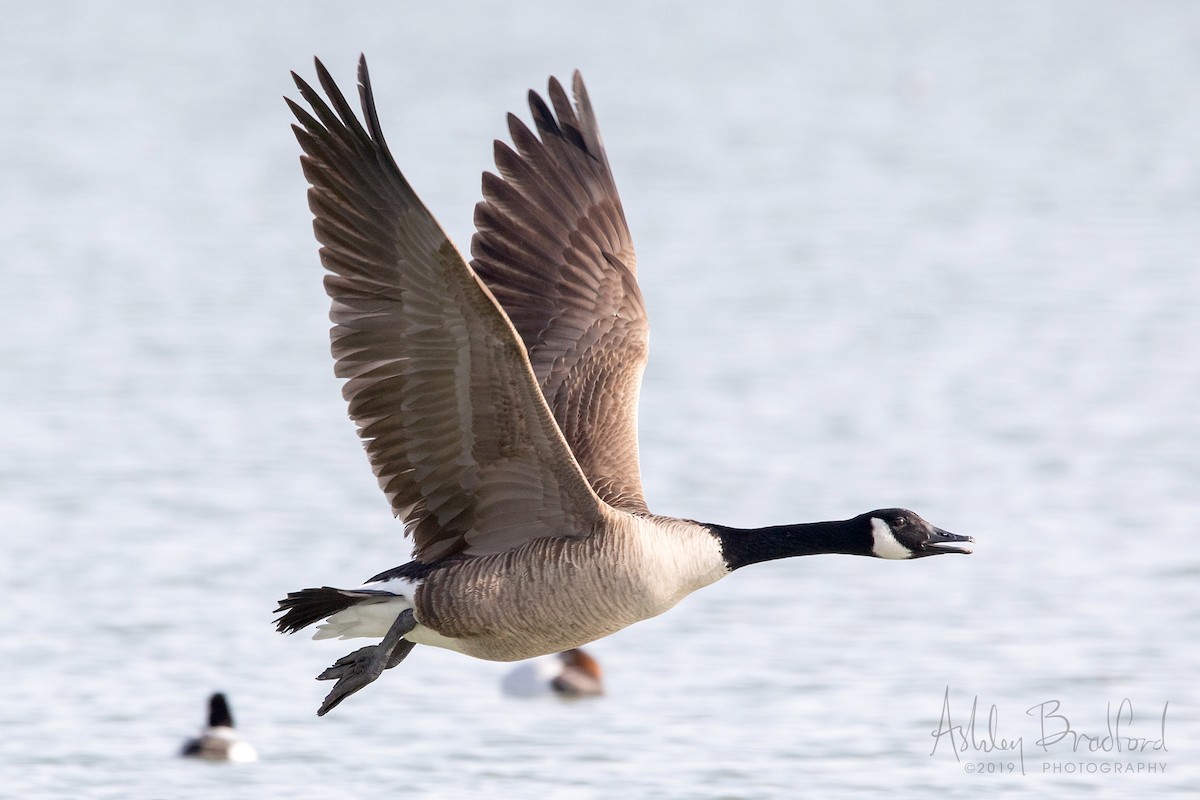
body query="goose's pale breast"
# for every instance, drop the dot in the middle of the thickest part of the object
(554, 594)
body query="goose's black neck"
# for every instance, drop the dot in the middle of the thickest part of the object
(743, 546)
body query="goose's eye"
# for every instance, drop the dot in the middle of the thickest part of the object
(901, 522)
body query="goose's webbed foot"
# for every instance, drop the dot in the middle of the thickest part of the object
(360, 668)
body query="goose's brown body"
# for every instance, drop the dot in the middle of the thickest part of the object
(553, 594)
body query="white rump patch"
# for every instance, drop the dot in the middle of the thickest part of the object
(372, 616)
(885, 543)
(371, 619)
(404, 587)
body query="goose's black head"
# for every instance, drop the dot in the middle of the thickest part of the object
(900, 533)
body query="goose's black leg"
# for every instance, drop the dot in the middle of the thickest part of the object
(356, 670)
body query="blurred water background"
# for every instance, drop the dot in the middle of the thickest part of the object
(928, 254)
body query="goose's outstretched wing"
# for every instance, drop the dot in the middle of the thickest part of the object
(452, 418)
(554, 248)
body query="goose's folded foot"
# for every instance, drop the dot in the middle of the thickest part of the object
(360, 662)
(360, 668)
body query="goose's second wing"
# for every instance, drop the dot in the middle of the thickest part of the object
(453, 421)
(553, 246)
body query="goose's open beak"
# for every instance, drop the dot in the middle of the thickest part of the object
(944, 542)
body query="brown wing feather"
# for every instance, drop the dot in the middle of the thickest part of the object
(554, 248)
(437, 381)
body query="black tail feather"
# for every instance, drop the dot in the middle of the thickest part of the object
(303, 608)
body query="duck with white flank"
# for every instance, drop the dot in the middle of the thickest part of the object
(497, 402)
(570, 675)
(219, 741)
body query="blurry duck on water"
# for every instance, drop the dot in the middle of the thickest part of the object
(218, 741)
(497, 402)
(570, 674)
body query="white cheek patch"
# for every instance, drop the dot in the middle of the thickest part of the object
(885, 543)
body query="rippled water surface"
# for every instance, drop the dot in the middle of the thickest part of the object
(919, 254)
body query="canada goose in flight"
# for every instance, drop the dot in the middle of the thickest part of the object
(219, 741)
(497, 403)
(570, 674)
